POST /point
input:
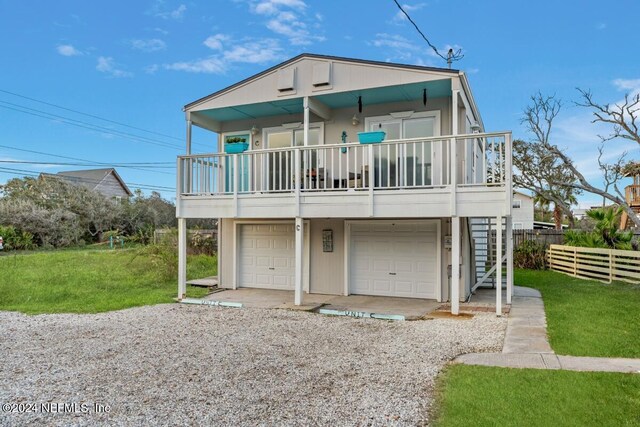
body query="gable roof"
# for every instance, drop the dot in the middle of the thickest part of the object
(92, 178)
(321, 57)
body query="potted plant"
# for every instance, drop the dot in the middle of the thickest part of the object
(371, 137)
(235, 145)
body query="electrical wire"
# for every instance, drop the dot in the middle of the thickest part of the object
(85, 125)
(93, 163)
(89, 115)
(451, 55)
(113, 165)
(67, 178)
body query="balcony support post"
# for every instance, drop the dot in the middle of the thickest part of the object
(299, 247)
(182, 258)
(453, 152)
(499, 265)
(455, 265)
(509, 237)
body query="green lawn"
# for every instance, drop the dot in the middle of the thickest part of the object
(91, 281)
(484, 396)
(588, 318)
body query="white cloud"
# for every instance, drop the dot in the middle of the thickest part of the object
(149, 45)
(176, 14)
(215, 42)
(68, 50)
(107, 65)
(401, 49)
(208, 65)
(400, 17)
(601, 26)
(151, 69)
(251, 52)
(288, 18)
(632, 85)
(271, 7)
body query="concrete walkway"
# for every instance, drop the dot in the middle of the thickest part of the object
(526, 344)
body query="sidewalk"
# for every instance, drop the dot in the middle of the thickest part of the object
(526, 344)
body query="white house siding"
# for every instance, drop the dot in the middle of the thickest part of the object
(341, 120)
(522, 217)
(327, 269)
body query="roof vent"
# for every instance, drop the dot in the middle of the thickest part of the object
(286, 79)
(322, 74)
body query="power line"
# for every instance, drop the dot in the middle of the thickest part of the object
(26, 172)
(96, 117)
(94, 163)
(451, 55)
(89, 115)
(114, 165)
(85, 125)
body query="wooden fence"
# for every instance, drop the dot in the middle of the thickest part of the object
(593, 263)
(546, 237)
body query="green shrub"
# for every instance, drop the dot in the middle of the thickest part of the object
(15, 239)
(530, 254)
(202, 244)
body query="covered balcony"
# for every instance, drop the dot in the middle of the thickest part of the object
(463, 175)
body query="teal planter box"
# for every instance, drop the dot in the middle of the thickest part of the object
(371, 137)
(236, 147)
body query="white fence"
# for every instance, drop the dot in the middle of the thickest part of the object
(594, 263)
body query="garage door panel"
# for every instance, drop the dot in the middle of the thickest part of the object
(409, 250)
(267, 258)
(382, 285)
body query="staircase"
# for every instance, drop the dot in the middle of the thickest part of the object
(483, 235)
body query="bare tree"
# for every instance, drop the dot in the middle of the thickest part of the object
(539, 170)
(539, 116)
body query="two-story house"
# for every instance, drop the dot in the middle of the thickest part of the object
(304, 206)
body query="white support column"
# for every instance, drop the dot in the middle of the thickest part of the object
(305, 105)
(509, 237)
(455, 265)
(182, 258)
(188, 148)
(499, 265)
(299, 282)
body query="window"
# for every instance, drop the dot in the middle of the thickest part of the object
(517, 204)
(517, 226)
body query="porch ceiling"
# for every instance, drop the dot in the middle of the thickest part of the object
(378, 95)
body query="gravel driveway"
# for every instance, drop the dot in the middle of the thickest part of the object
(190, 365)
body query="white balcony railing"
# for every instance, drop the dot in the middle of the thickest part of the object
(482, 159)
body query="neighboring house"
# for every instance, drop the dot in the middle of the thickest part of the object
(309, 209)
(105, 181)
(580, 214)
(522, 213)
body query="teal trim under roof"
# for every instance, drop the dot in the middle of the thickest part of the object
(373, 96)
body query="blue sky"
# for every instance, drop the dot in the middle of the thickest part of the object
(137, 63)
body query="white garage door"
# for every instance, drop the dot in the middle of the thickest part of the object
(398, 260)
(267, 256)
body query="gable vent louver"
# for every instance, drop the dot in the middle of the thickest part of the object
(286, 80)
(321, 74)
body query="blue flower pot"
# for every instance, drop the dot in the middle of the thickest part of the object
(236, 147)
(371, 137)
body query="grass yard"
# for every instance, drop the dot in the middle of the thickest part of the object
(485, 396)
(92, 281)
(588, 318)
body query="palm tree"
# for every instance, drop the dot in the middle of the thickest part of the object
(607, 221)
